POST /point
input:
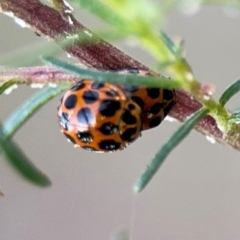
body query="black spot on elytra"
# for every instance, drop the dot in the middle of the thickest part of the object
(85, 116)
(109, 107)
(155, 108)
(153, 92)
(139, 101)
(155, 122)
(71, 139)
(97, 85)
(63, 119)
(108, 128)
(78, 86)
(168, 94)
(85, 137)
(131, 106)
(128, 118)
(126, 136)
(112, 93)
(109, 145)
(71, 101)
(90, 96)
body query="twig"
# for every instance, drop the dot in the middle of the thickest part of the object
(36, 75)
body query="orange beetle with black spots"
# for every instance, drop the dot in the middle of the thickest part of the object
(105, 117)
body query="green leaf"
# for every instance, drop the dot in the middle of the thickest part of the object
(229, 92)
(176, 50)
(8, 84)
(20, 162)
(20, 116)
(174, 140)
(11, 151)
(113, 77)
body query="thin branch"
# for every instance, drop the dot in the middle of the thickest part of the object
(36, 75)
(50, 24)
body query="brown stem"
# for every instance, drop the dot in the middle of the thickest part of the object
(50, 24)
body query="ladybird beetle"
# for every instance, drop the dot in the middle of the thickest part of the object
(99, 116)
(106, 117)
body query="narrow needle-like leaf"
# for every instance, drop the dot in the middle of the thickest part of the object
(8, 84)
(113, 77)
(20, 162)
(229, 92)
(28, 108)
(170, 44)
(161, 155)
